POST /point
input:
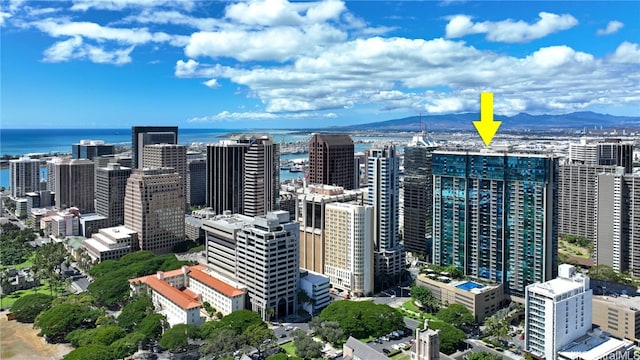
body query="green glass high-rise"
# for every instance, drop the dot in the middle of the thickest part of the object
(495, 216)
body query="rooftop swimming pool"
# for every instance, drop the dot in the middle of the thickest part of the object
(468, 285)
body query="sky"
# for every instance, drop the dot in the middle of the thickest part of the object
(277, 64)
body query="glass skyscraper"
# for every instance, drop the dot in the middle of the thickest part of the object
(495, 216)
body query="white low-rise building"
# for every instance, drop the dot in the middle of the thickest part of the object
(317, 288)
(110, 243)
(557, 312)
(179, 294)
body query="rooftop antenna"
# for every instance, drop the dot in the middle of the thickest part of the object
(421, 121)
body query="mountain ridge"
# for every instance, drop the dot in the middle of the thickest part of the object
(521, 121)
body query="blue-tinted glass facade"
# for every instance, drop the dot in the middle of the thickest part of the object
(495, 216)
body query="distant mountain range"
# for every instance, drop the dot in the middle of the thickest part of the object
(522, 121)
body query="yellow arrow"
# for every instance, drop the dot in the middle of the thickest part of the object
(486, 127)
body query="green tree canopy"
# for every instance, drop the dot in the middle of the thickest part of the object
(28, 307)
(225, 342)
(48, 261)
(423, 295)
(482, 355)
(177, 337)
(456, 315)
(127, 345)
(239, 321)
(307, 348)
(135, 312)
(362, 319)
(152, 325)
(60, 320)
(93, 352)
(450, 337)
(111, 277)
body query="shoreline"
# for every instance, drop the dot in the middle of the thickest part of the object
(20, 341)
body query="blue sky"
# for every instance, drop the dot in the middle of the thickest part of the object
(279, 64)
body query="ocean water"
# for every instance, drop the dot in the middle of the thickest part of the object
(38, 141)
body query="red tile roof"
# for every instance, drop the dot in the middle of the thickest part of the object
(224, 288)
(187, 299)
(163, 288)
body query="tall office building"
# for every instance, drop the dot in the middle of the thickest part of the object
(225, 176)
(310, 213)
(168, 156)
(349, 247)
(197, 181)
(75, 185)
(331, 160)
(495, 216)
(618, 222)
(51, 173)
(418, 195)
(243, 175)
(557, 312)
(604, 152)
(261, 177)
(383, 168)
(577, 198)
(260, 253)
(111, 185)
(154, 208)
(25, 176)
(90, 149)
(148, 135)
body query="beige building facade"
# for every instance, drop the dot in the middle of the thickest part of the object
(349, 247)
(481, 300)
(619, 316)
(310, 213)
(154, 208)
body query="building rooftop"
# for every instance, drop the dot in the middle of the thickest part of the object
(176, 296)
(314, 278)
(631, 302)
(226, 289)
(568, 280)
(594, 346)
(118, 232)
(335, 139)
(92, 217)
(362, 350)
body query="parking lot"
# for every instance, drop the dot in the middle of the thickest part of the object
(381, 344)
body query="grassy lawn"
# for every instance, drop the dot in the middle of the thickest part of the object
(572, 249)
(26, 264)
(423, 315)
(289, 348)
(410, 306)
(401, 356)
(367, 339)
(8, 300)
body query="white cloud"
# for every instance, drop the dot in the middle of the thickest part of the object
(74, 48)
(150, 16)
(278, 43)
(612, 28)
(510, 31)
(84, 5)
(627, 53)
(227, 116)
(283, 13)
(57, 28)
(4, 15)
(63, 50)
(401, 73)
(212, 83)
